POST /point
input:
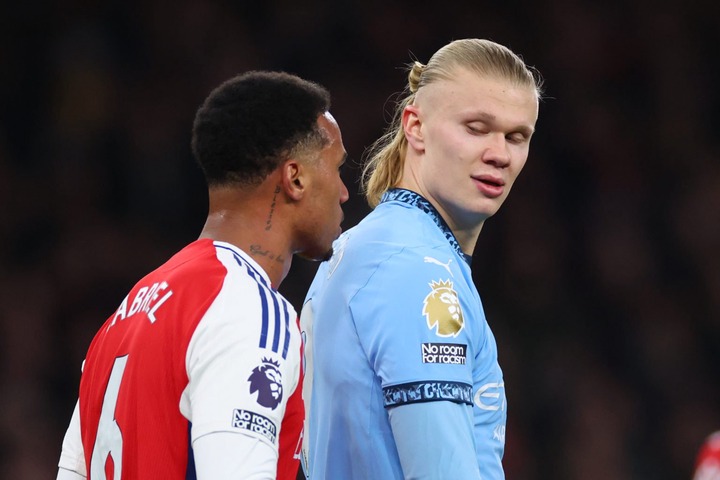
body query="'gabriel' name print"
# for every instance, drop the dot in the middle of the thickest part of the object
(147, 299)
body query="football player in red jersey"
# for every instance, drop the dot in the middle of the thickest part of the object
(707, 465)
(197, 374)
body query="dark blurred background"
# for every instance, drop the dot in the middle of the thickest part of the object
(600, 276)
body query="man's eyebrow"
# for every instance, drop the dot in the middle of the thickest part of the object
(483, 116)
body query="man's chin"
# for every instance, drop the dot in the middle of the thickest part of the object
(316, 257)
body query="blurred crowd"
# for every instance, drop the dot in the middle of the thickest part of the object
(600, 276)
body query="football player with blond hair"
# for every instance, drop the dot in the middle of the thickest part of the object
(403, 375)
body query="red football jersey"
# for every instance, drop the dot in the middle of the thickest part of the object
(203, 344)
(707, 465)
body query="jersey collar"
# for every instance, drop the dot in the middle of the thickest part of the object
(416, 200)
(248, 260)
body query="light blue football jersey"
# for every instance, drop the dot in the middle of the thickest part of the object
(392, 319)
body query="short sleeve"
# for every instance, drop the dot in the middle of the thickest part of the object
(241, 371)
(411, 323)
(72, 457)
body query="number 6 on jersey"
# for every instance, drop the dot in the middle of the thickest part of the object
(108, 441)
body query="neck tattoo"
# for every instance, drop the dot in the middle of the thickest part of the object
(268, 222)
(258, 251)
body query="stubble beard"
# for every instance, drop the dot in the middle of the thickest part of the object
(317, 258)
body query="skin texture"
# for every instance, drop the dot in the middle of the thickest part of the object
(319, 220)
(468, 140)
(295, 209)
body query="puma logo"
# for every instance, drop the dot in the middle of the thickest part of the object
(438, 262)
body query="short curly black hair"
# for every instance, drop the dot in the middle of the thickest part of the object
(251, 123)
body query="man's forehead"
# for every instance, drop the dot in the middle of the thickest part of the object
(466, 81)
(473, 94)
(329, 125)
(326, 120)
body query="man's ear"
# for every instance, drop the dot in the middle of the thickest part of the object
(293, 179)
(412, 126)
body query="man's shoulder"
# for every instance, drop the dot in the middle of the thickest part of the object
(392, 229)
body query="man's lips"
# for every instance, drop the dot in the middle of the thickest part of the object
(490, 185)
(491, 179)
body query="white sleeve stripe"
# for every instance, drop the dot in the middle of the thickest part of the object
(276, 337)
(286, 344)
